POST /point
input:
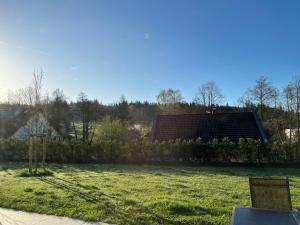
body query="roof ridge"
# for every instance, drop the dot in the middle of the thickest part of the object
(217, 113)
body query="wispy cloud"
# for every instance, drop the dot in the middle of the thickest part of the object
(24, 48)
(146, 36)
(73, 68)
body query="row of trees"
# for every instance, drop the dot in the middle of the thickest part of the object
(96, 132)
(278, 109)
(262, 94)
(208, 94)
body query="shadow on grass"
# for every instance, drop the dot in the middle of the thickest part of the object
(186, 210)
(179, 170)
(39, 173)
(83, 191)
(167, 170)
(70, 187)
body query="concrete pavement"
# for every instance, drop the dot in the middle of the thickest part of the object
(13, 217)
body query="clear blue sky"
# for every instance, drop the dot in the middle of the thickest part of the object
(107, 48)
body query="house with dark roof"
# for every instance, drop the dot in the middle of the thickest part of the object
(207, 126)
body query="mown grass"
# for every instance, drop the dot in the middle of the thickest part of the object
(125, 194)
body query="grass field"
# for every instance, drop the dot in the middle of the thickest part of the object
(124, 194)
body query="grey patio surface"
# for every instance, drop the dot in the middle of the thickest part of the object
(13, 217)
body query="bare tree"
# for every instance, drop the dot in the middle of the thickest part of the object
(169, 100)
(29, 96)
(289, 97)
(276, 97)
(33, 97)
(58, 94)
(209, 95)
(262, 93)
(9, 97)
(296, 85)
(17, 97)
(246, 102)
(37, 86)
(37, 89)
(169, 96)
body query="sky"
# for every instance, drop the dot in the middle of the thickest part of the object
(109, 48)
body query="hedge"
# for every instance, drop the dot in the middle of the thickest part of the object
(143, 151)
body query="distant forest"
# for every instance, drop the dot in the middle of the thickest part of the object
(278, 109)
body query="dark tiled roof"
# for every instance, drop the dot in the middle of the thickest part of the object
(207, 126)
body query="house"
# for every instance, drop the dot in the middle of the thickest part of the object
(291, 134)
(207, 126)
(38, 125)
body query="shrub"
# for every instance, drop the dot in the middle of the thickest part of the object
(112, 135)
(111, 144)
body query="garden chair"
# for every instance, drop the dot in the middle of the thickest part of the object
(269, 193)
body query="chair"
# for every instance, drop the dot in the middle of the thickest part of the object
(269, 193)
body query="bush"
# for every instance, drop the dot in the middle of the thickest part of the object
(13, 150)
(112, 135)
(111, 144)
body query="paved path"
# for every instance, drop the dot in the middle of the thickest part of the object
(13, 217)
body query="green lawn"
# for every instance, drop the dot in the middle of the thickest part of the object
(124, 194)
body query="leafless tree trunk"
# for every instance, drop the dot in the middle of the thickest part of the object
(30, 154)
(209, 95)
(297, 98)
(289, 102)
(44, 152)
(74, 128)
(262, 93)
(35, 149)
(33, 99)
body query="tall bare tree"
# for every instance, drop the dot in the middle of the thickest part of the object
(296, 85)
(169, 96)
(209, 95)
(289, 97)
(9, 96)
(246, 102)
(169, 100)
(37, 84)
(276, 97)
(262, 93)
(33, 97)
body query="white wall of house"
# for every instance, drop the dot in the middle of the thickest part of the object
(36, 125)
(291, 133)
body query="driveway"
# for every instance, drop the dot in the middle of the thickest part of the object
(13, 217)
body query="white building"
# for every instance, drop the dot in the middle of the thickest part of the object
(37, 125)
(291, 133)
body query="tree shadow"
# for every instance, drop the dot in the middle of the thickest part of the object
(167, 170)
(80, 190)
(71, 187)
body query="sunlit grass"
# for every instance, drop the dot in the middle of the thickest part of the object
(124, 194)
